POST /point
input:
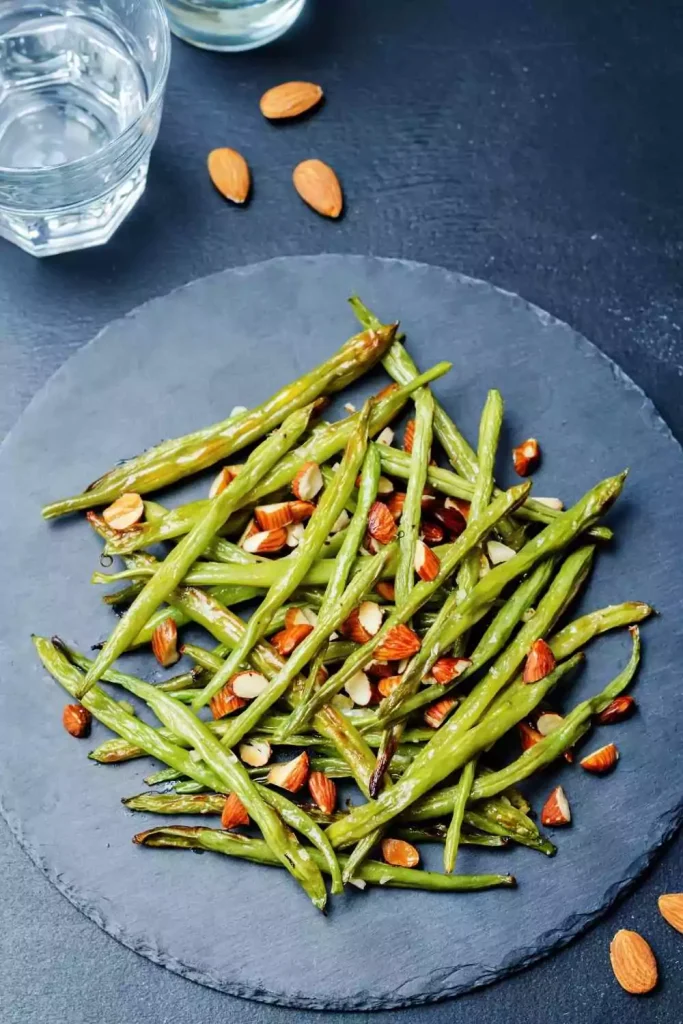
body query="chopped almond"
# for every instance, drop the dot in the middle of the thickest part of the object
(385, 436)
(499, 553)
(225, 702)
(301, 510)
(265, 542)
(219, 484)
(125, 512)
(399, 853)
(165, 643)
(426, 563)
(437, 714)
(323, 791)
(395, 503)
(248, 684)
(409, 436)
(526, 456)
(528, 736)
(359, 689)
(250, 530)
(290, 775)
(287, 640)
(234, 813)
(400, 642)
(388, 685)
(363, 623)
(601, 760)
(381, 524)
(450, 515)
(432, 533)
(386, 590)
(540, 662)
(385, 486)
(272, 517)
(556, 809)
(446, 669)
(255, 753)
(295, 534)
(308, 481)
(620, 708)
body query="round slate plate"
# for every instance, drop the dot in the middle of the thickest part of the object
(185, 360)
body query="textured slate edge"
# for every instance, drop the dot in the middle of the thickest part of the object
(573, 925)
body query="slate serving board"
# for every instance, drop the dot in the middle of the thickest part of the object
(185, 360)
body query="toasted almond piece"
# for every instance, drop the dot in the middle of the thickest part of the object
(499, 553)
(425, 562)
(307, 482)
(255, 753)
(295, 534)
(165, 643)
(451, 517)
(446, 669)
(540, 662)
(385, 486)
(76, 720)
(528, 736)
(341, 522)
(272, 517)
(601, 760)
(301, 510)
(350, 408)
(526, 456)
(219, 484)
(290, 775)
(287, 640)
(125, 512)
(395, 503)
(437, 713)
(310, 616)
(290, 99)
(432, 533)
(364, 622)
(359, 689)
(620, 708)
(548, 721)
(248, 684)
(461, 505)
(296, 617)
(633, 962)
(400, 642)
(556, 809)
(234, 813)
(225, 702)
(386, 590)
(250, 530)
(379, 669)
(318, 185)
(554, 503)
(265, 541)
(323, 791)
(399, 853)
(409, 436)
(388, 685)
(381, 523)
(229, 172)
(671, 908)
(385, 436)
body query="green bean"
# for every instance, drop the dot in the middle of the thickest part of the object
(427, 770)
(450, 559)
(174, 567)
(229, 771)
(173, 460)
(455, 619)
(373, 872)
(292, 575)
(532, 840)
(328, 475)
(453, 835)
(175, 523)
(437, 834)
(412, 508)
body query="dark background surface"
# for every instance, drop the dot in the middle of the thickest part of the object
(536, 145)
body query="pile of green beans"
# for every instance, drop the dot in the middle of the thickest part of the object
(334, 699)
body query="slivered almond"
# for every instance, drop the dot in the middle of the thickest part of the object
(409, 436)
(265, 541)
(556, 809)
(620, 708)
(388, 685)
(248, 684)
(446, 669)
(225, 702)
(499, 553)
(290, 775)
(288, 640)
(308, 481)
(671, 908)
(219, 484)
(319, 187)
(295, 534)
(451, 517)
(229, 172)
(395, 503)
(275, 516)
(602, 760)
(363, 623)
(234, 813)
(528, 736)
(432, 533)
(540, 662)
(385, 436)
(125, 512)
(554, 503)
(425, 563)
(323, 791)
(633, 962)
(76, 720)
(437, 714)
(399, 853)
(165, 643)
(386, 590)
(301, 510)
(526, 456)
(400, 642)
(255, 753)
(359, 689)
(290, 99)
(350, 407)
(381, 523)
(548, 721)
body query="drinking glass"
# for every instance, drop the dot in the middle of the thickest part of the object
(81, 90)
(231, 25)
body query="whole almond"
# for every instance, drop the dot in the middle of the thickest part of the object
(76, 720)
(671, 909)
(291, 99)
(633, 962)
(318, 185)
(229, 172)
(400, 853)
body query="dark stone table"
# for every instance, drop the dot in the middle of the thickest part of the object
(536, 145)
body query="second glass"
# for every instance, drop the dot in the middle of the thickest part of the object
(232, 25)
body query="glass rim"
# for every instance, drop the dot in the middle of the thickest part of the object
(155, 95)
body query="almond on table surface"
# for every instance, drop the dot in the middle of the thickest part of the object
(601, 760)
(125, 512)
(671, 908)
(526, 456)
(633, 962)
(619, 709)
(77, 720)
(399, 853)
(229, 172)
(290, 99)
(556, 809)
(319, 187)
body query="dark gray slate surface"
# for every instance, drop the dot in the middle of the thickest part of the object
(557, 386)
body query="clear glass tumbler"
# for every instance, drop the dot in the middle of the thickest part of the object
(81, 90)
(232, 25)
